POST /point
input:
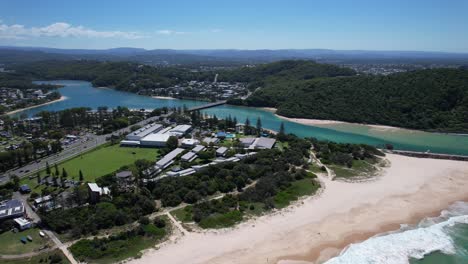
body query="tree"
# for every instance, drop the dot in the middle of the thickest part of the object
(259, 126)
(38, 178)
(247, 126)
(56, 169)
(172, 142)
(47, 168)
(64, 173)
(81, 176)
(281, 130)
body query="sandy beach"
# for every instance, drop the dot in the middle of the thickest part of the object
(163, 97)
(319, 227)
(62, 98)
(325, 123)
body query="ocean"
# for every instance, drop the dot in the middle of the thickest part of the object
(435, 240)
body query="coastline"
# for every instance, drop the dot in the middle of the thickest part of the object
(62, 98)
(320, 227)
(327, 123)
(163, 97)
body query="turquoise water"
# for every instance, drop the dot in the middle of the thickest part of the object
(81, 93)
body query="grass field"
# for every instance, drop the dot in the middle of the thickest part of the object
(183, 214)
(100, 161)
(306, 186)
(43, 258)
(221, 220)
(10, 243)
(360, 168)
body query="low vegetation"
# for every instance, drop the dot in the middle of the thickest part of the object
(120, 246)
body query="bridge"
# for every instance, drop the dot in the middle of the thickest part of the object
(200, 107)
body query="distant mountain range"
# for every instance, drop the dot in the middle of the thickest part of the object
(226, 57)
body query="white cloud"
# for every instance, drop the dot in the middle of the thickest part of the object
(61, 29)
(170, 32)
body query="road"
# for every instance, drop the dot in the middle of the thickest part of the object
(82, 145)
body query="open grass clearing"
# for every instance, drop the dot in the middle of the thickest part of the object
(10, 243)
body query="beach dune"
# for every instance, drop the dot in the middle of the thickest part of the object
(320, 227)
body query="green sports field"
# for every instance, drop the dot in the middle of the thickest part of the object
(102, 161)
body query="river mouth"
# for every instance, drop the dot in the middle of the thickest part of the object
(83, 94)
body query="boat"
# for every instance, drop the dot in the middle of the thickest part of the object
(41, 234)
(29, 238)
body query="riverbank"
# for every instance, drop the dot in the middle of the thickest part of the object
(62, 98)
(163, 97)
(319, 227)
(327, 123)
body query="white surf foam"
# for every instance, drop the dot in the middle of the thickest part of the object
(397, 248)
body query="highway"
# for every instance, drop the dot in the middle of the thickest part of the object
(83, 144)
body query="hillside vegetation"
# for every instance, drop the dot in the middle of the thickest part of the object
(435, 100)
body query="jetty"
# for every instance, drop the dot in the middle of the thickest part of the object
(205, 106)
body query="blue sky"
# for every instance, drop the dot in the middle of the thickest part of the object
(429, 25)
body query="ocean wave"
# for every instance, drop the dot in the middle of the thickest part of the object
(430, 235)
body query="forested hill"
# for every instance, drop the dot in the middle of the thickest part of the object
(435, 100)
(286, 70)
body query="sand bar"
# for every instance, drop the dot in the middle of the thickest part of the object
(322, 226)
(62, 98)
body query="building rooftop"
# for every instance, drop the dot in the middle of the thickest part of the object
(188, 156)
(247, 140)
(145, 130)
(11, 208)
(169, 157)
(265, 143)
(124, 174)
(181, 128)
(221, 150)
(198, 148)
(156, 138)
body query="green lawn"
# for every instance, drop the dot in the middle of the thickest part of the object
(10, 243)
(183, 214)
(221, 220)
(306, 186)
(360, 168)
(44, 258)
(100, 161)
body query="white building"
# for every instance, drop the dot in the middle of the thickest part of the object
(144, 131)
(180, 130)
(221, 151)
(155, 140)
(169, 158)
(189, 142)
(22, 223)
(95, 192)
(198, 148)
(188, 157)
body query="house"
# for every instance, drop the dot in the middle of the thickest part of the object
(169, 158)
(24, 189)
(198, 148)
(188, 157)
(22, 223)
(240, 128)
(11, 209)
(247, 142)
(189, 142)
(155, 140)
(41, 200)
(124, 178)
(181, 173)
(221, 151)
(95, 192)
